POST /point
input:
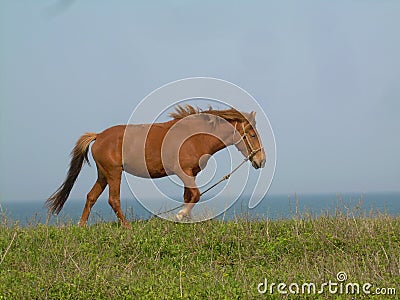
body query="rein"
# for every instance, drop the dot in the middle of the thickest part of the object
(252, 153)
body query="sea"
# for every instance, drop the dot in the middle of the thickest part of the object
(33, 212)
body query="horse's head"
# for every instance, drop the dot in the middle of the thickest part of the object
(248, 142)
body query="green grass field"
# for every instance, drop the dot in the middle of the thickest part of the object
(159, 259)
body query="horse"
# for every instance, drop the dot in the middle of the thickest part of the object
(180, 146)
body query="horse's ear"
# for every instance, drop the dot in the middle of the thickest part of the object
(252, 118)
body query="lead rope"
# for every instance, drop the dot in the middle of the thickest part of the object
(252, 153)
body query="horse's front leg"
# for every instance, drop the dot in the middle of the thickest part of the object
(191, 196)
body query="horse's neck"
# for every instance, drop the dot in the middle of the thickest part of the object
(224, 132)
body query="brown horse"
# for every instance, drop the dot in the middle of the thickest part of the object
(180, 146)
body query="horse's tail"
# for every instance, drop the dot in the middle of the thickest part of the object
(78, 156)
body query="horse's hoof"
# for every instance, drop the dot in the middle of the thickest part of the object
(82, 224)
(180, 217)
(127, 225)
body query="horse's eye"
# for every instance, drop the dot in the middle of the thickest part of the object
(253, 135)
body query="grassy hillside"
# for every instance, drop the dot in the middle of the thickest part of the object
(158, 259)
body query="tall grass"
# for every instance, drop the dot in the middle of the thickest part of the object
(159, 259)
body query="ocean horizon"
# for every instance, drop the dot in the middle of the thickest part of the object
(31, 213)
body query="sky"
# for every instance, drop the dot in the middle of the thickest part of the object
(325, 72)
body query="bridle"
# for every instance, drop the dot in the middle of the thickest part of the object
(245, 140)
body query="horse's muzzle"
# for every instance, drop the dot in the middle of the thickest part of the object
(258, 164)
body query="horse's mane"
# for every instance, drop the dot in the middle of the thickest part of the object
(227, 114)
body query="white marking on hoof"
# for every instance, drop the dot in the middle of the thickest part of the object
(182, 215)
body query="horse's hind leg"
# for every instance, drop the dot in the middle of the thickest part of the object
(114, 184)
(92, 196)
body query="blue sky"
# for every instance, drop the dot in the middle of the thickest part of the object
(325, 72)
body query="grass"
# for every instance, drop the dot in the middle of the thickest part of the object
(159, 259)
